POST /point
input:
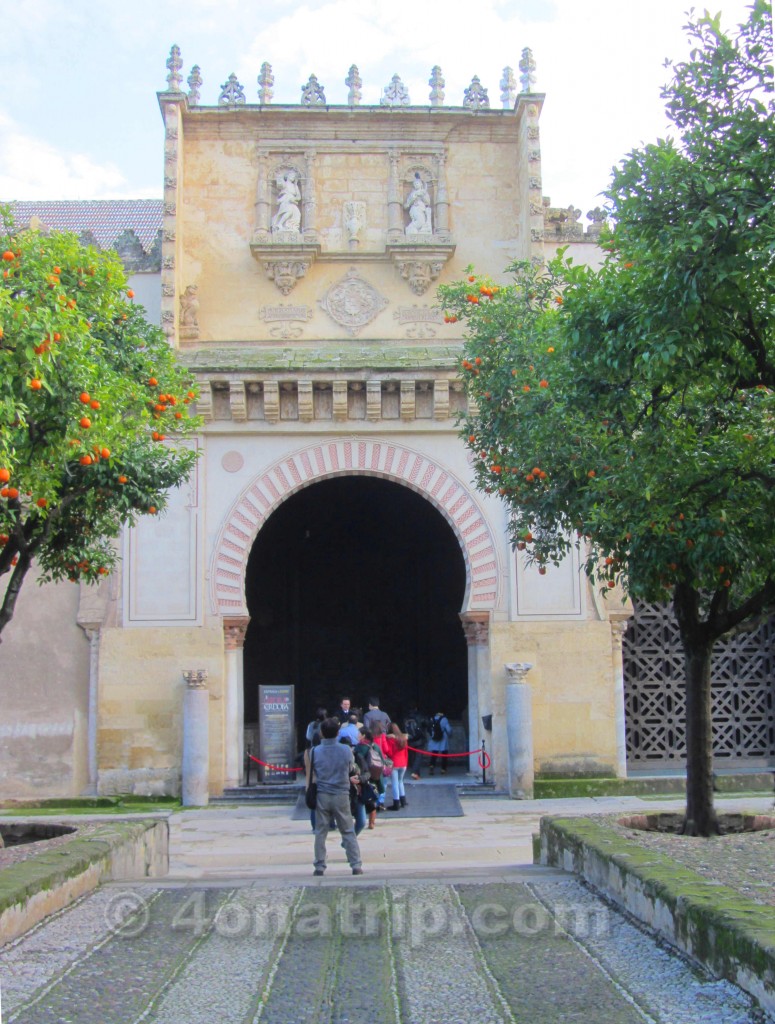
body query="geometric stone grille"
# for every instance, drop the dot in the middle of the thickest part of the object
(743, 688)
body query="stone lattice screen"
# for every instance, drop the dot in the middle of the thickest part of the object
(743, 675)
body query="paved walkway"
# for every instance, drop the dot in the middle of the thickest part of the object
(450, 924)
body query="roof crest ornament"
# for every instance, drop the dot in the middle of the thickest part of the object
(231, 92)
(508, 89)
(354, 83)
(396, 94)
(527, 66)
(475, 96)
(313, 94)
(437, 83)
(174, 64)
(194, 85)
(265, 83)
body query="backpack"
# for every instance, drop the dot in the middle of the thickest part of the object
(413, 730)
(437, 733)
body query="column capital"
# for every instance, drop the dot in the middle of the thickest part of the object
(618, 629)
(476, 626)
(234, 630)
(518, 670)
(196, 678)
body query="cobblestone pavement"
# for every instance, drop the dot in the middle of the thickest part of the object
(541, 949)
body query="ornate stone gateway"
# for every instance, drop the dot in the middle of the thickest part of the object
(655, 707)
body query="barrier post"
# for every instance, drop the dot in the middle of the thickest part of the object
(484, 764)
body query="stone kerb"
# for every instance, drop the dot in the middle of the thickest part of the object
(350, 457)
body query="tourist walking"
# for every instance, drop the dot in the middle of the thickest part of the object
(374, 715)
(343, 711)
(395, 748)
(313, 729)
(350, 730)
(440, 731)
(416, 729)
(333, 768)
(369, 794)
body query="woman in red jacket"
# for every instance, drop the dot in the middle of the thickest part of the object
(394, 745)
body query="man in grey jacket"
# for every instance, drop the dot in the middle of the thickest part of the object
(333, 766)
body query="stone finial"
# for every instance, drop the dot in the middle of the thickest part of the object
(597, 216)
(194, 85)
(527, 66)
(174, 64)
(475, 96)
(508, 89)
(396, 94)
(313, 94)
(354, 83)
(265, 83)
(437, 83)
(231, 92)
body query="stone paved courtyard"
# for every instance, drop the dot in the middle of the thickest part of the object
(451, 923)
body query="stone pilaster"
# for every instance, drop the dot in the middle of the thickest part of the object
(395, 201)
(476, 626)
(618, 629)
(234, 630)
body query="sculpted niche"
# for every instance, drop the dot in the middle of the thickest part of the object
(288, 214)
(418, 204)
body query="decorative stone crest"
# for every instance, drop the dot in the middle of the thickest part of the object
(437, 83)
(285, 317)
(395, 94)
(353, 83)
(527, 66)
(475, 96)
(508, 89)
(352, 302)
(194, 85)
(174, 64)
(353, 221)
(265, 83)
(313, 94)
(232, 93)
(189, 308)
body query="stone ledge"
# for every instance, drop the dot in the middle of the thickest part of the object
(34, 888)
(728, 934)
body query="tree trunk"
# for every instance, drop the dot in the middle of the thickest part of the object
(8, 603)
(700, 819)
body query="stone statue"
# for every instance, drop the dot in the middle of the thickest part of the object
(288, 216)
(418, 203)
(189, 309)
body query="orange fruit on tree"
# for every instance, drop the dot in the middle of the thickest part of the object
(84, 422)
(12, 492)
(5, 475)
(85, 397)
(152, 382)
(8, 255)
(35, 384)
(122, 479)
(41, 502)
(94, 404)
(85, 460)
(129, 293)
(105, 453)
(152, 510)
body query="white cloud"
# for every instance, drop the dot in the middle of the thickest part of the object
(33, 169)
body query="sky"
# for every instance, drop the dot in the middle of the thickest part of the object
(79, 118)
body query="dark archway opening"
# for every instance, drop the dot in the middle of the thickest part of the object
(354, 587)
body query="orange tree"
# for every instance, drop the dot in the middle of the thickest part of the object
(630, 408)
(89, 394)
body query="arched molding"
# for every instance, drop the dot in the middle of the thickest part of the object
(355, 456)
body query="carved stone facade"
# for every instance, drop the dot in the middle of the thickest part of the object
(301, 247)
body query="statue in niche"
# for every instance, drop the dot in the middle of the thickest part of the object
(418, 203)
(288, 216)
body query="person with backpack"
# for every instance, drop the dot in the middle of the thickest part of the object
(416, 728)
(438, 743)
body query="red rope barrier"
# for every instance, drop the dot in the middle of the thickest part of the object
(275, 767)
(484, 760)
(438, 753)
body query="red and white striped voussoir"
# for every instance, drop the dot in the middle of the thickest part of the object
(355, 456)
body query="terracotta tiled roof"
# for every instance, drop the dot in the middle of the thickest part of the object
(106, 219)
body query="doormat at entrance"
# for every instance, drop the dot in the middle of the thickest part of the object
(436, 800)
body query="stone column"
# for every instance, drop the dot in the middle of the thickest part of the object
(263, 199)
(309, 224)
(196, 739)
(618, 629)
(395, 202)
(476, 626)
(234, 704)
(519, 731)
(92, 631)
(442, 196)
